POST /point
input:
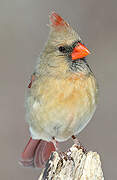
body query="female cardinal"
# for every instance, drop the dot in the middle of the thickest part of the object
(62, 96)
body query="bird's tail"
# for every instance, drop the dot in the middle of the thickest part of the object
(36, 153)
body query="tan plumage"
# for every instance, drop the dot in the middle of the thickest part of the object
(63, 95)
(63, 106)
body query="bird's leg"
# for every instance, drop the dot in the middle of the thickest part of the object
(78, 144)
(55, 143)
(62, 155)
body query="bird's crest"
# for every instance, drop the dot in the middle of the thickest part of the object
(57, 21)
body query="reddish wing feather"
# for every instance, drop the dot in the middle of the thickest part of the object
(32, 79)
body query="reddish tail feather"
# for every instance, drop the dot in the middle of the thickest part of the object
(36, 153)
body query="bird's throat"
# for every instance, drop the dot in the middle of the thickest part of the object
(79, 65)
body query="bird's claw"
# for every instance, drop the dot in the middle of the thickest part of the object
(66, 156)
(81, 147)
(78, 145)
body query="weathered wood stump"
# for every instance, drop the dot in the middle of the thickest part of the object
(77, 165)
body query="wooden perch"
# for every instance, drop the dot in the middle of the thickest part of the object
(77, 166)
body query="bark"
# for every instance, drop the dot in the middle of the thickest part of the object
(77, 165)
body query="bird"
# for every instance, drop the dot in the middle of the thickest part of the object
(62, 95)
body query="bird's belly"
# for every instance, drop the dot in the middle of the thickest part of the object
(62, 111)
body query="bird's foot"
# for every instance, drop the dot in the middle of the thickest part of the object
(65, 155)
(78, 144)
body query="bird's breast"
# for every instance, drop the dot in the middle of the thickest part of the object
(60, 107)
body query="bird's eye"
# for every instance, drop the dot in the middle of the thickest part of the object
(62, 49)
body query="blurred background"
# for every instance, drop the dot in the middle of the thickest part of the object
(23, 32)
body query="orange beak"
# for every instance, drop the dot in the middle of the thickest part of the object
(79, 51)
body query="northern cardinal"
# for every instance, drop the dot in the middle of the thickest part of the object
(62, 96)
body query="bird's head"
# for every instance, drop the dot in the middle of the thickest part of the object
(63, 42)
